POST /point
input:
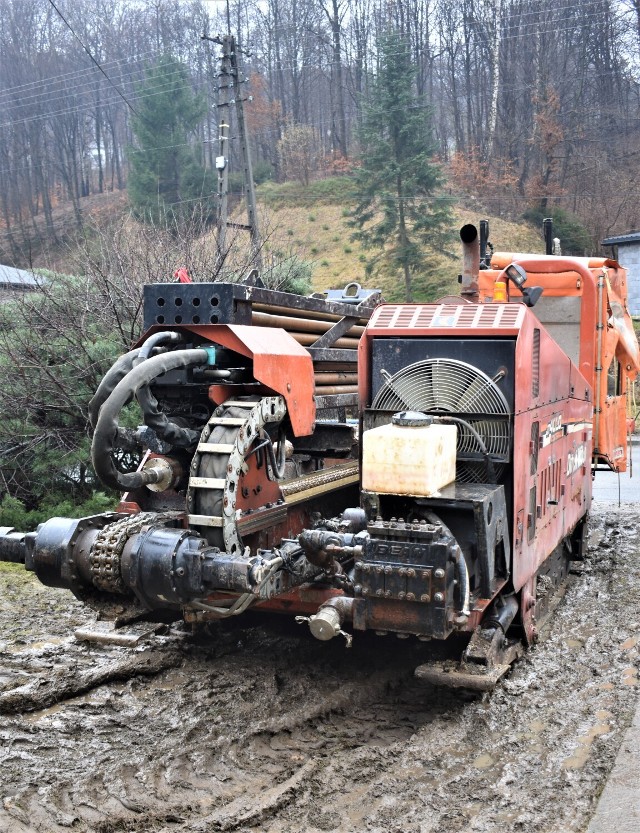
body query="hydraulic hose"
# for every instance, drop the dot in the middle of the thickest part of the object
(462, 571)
(488, 462)
(170, 336)
(463, 580)
(107, 425)
(116, 372)
(122, 366)
(157, 420)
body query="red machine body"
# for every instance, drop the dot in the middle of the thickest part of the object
(552, 417)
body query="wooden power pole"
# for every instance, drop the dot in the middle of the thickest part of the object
(222, 159)
(229, 75)
(245, 154)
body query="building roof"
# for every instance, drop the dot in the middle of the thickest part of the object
(620, 240)
(18, 278)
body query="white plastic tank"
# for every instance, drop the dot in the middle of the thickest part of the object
(410, 456)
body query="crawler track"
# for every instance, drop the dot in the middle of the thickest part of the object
(260, 727)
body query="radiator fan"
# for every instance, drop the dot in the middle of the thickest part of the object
(448, 386)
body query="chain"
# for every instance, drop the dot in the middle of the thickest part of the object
(107, 548)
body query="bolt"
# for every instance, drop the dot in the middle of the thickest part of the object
(402, 571)
(425, 597)
(411, 573)
(357, 590)
(411, 597)
(425, 574)
(365, 591)
(388, 594)
(401, 595)
(180, 571)
(388, 570)
(439, 573)
(379, 570)
(359, 565)
(379, 592)
(439, 597)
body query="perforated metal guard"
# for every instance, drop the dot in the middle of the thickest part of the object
(457, 388)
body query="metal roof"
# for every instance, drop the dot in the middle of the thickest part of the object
(18, 278)
(632, 237)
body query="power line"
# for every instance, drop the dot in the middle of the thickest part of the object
(86, 49)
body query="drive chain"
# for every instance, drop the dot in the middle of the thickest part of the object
(108, 546)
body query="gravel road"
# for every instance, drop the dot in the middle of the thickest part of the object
(258, 727)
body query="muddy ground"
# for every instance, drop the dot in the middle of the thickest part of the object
(262, 728)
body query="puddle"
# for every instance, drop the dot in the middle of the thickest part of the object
(582, 752)
(483, 761)
(52, 642)
(34, 717)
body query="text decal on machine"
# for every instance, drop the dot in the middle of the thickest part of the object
(576, 459)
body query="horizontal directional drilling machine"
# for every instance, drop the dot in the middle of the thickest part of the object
(410, 469)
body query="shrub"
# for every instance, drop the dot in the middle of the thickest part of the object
(574, 237)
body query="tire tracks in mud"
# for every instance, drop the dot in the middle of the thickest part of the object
(263, 728)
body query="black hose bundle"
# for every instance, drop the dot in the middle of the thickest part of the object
(128, 386)
(122, 366)
(115, 374)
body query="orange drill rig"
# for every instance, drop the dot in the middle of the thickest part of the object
(438, 487)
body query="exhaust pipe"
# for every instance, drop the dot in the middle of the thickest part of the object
(470, 262)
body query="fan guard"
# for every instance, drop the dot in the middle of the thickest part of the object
(439, 386)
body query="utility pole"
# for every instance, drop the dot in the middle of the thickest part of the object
(245, 153)
(230, 78)
(224, 118)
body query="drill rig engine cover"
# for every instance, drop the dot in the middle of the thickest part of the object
(410, 469)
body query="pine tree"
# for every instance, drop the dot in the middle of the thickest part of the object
(167, 184)
(397, 208)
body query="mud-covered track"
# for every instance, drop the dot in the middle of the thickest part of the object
(263, 728)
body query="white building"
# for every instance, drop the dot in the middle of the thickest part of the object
(626, 249)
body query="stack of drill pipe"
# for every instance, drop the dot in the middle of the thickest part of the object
(307, 314)
(306, 327)
(307, 330)
(334, 383)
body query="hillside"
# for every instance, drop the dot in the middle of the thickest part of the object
(310, 224)
(319, 232)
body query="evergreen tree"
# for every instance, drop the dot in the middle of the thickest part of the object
(167, 184)
(397, 209)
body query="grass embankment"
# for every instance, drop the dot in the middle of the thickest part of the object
(313, 221)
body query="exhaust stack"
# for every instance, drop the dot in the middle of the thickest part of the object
(470, 262)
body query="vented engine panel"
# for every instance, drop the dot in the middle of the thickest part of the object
(481, 394)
